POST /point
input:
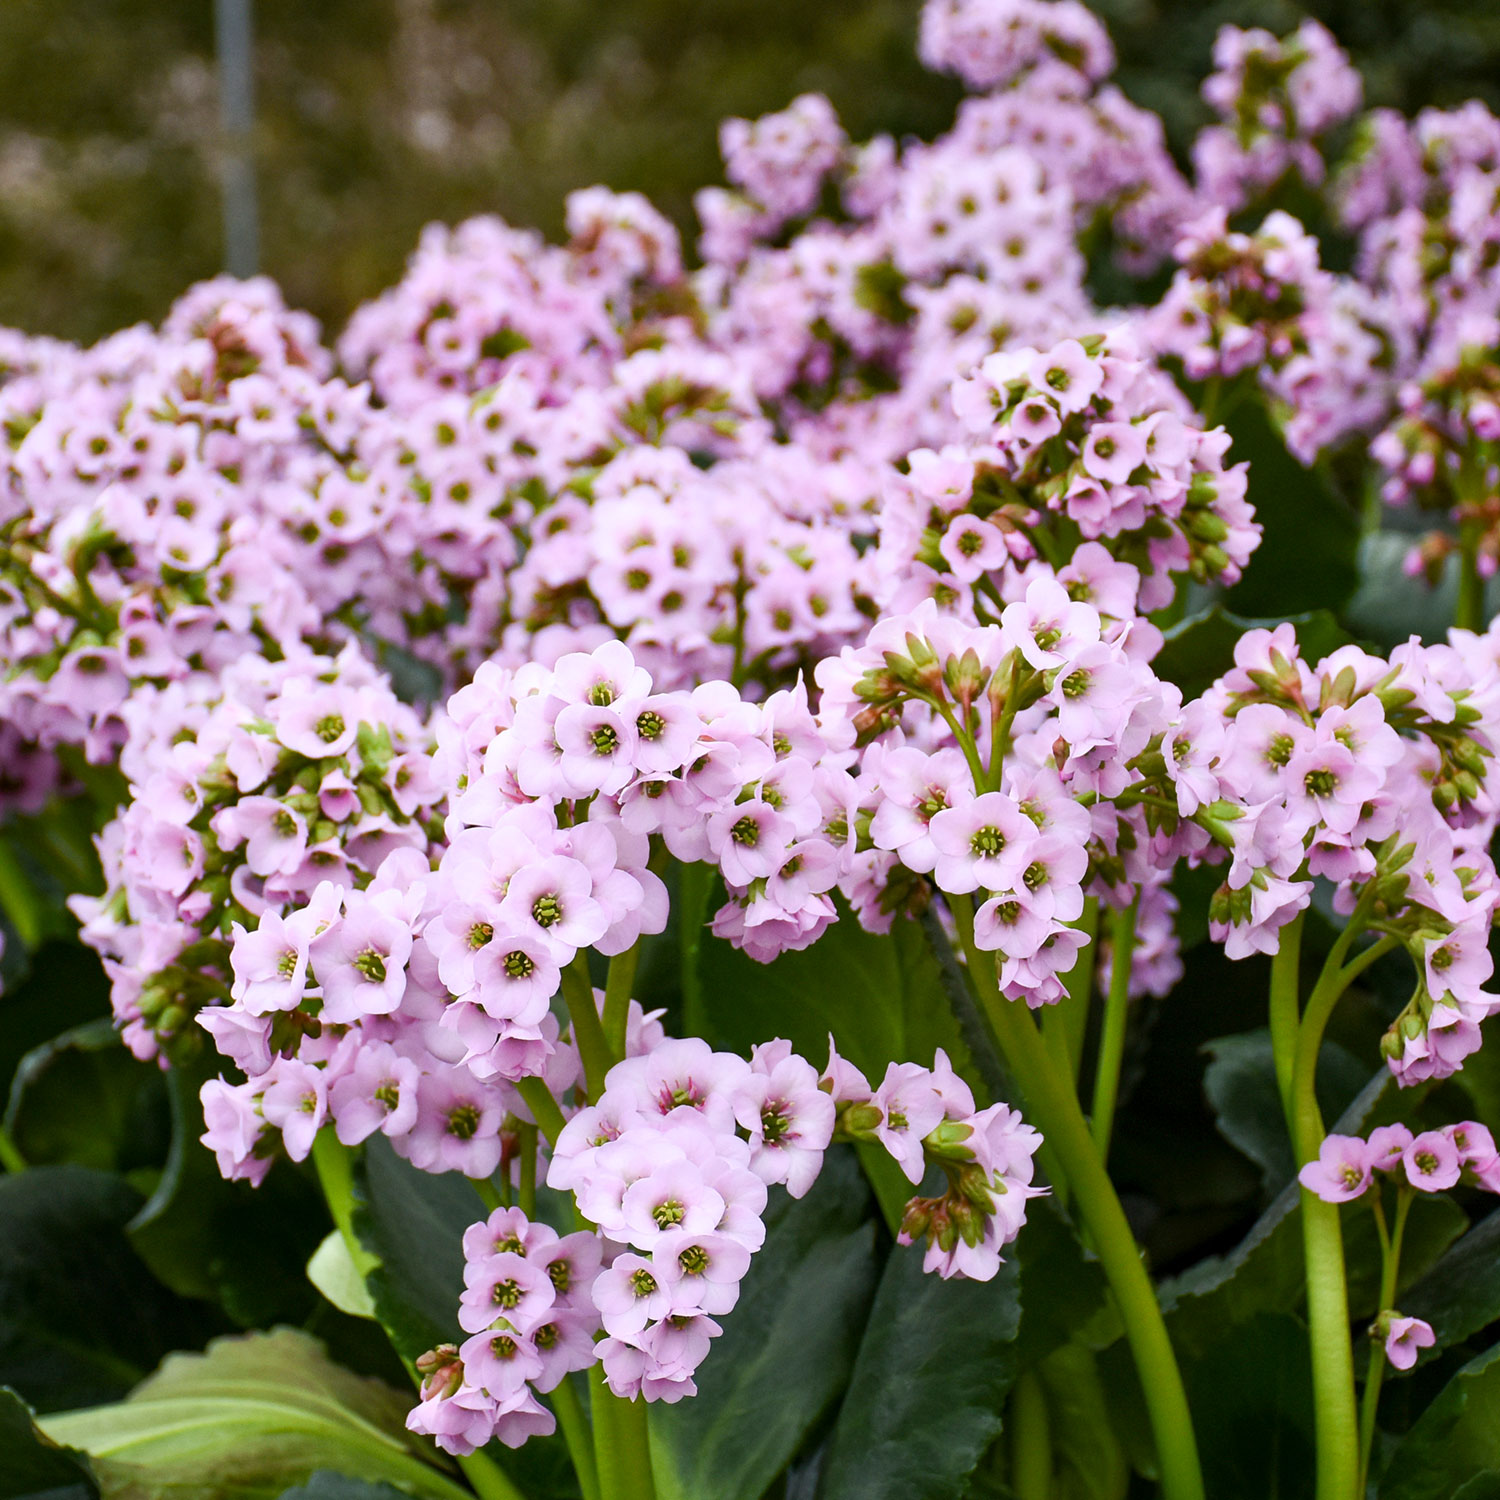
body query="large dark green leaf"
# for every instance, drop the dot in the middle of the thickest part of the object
(251, 1417)
(1241, 1086)
(929, 1385)
(82, 1098)
(1389, 606)
(1090, 1463)
(1200, 649)
(414, 1222)
(64, 987)
(1454, 1440)
(882, 997)
(1251, 1397)
(81, 1318)
(786, 1350)
(33, 1466)
(1461, 1293)
(240, 1246)
(1062, 1287)
(1306, 558)
(328, 1486)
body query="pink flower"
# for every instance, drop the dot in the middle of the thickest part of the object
(1404, 1337)
(1341, 1172)
(1432, 1162)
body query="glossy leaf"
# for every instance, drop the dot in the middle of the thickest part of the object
(82, 1098)
(929, 1385)
(32, 1464)
(251, 1417)
(81, 1318)
(325, 1485)
(1460, 1295)
(787, 1348)
(1455, 1440)
(414, 1222)
(1251, 1396)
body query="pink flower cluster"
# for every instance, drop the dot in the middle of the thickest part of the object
(1276, 98)
(1431, 1162)
(1371, 773)
(672, 1165)
(249, 791)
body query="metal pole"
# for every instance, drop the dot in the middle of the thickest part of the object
(237, 118)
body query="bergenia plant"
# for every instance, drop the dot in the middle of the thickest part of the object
(837, 866)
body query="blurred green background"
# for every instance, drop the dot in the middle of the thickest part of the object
(376, 116)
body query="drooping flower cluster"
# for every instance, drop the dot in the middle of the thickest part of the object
(1371, 773)
(1276, 99)
(1431, 1162)
(249, 792)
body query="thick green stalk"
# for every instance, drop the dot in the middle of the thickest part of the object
(1468, 613)
(577, 1434)
(1390, 1267)
(1030, 1439)
(694, 882)
(622, 1443)
(10, 1155)
(617, 988)
(489, 1194)
(1052, 1104)
(588, 1029)
(1065, 1024)
(1112, 1040)
(1285, 1007)
(1336, 1419)
(526, 1151)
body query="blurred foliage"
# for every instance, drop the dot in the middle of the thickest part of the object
(376, 117)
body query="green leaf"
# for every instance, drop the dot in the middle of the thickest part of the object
(81, 1318)
(33, 1466)
(414, 1221)
(83, 1098)
(1456, 1439)
(333, 1272)
(786, 1350)
(1389, 607)
(326, 1486)
(1306, 558)
(1240, 1083)
(254, 1415)
(882, 997)
(1251, 1398)
(1200, 648)
(929, 1385)
(1062, 1287)
(1460, 1295)
(241, 1246)
(1090, 1462)
(65, 987)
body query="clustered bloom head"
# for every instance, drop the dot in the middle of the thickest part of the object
(1431, 1162)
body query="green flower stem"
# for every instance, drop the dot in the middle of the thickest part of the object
(1112, 1042)
(1065, 1024)
(1285, 1005)
(10, 1155)
(617, 988)
(1390, 1266)
(334, 1164)
(588, 1029)
(1052, 1103)
(694, 883)
(19, 900)
(537, 1097)
(622, 1443)
(489, 1194)
(1030, 1439)
(1468, 613)
(527, 1152)
(1336, 1419)
(578, 1435)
